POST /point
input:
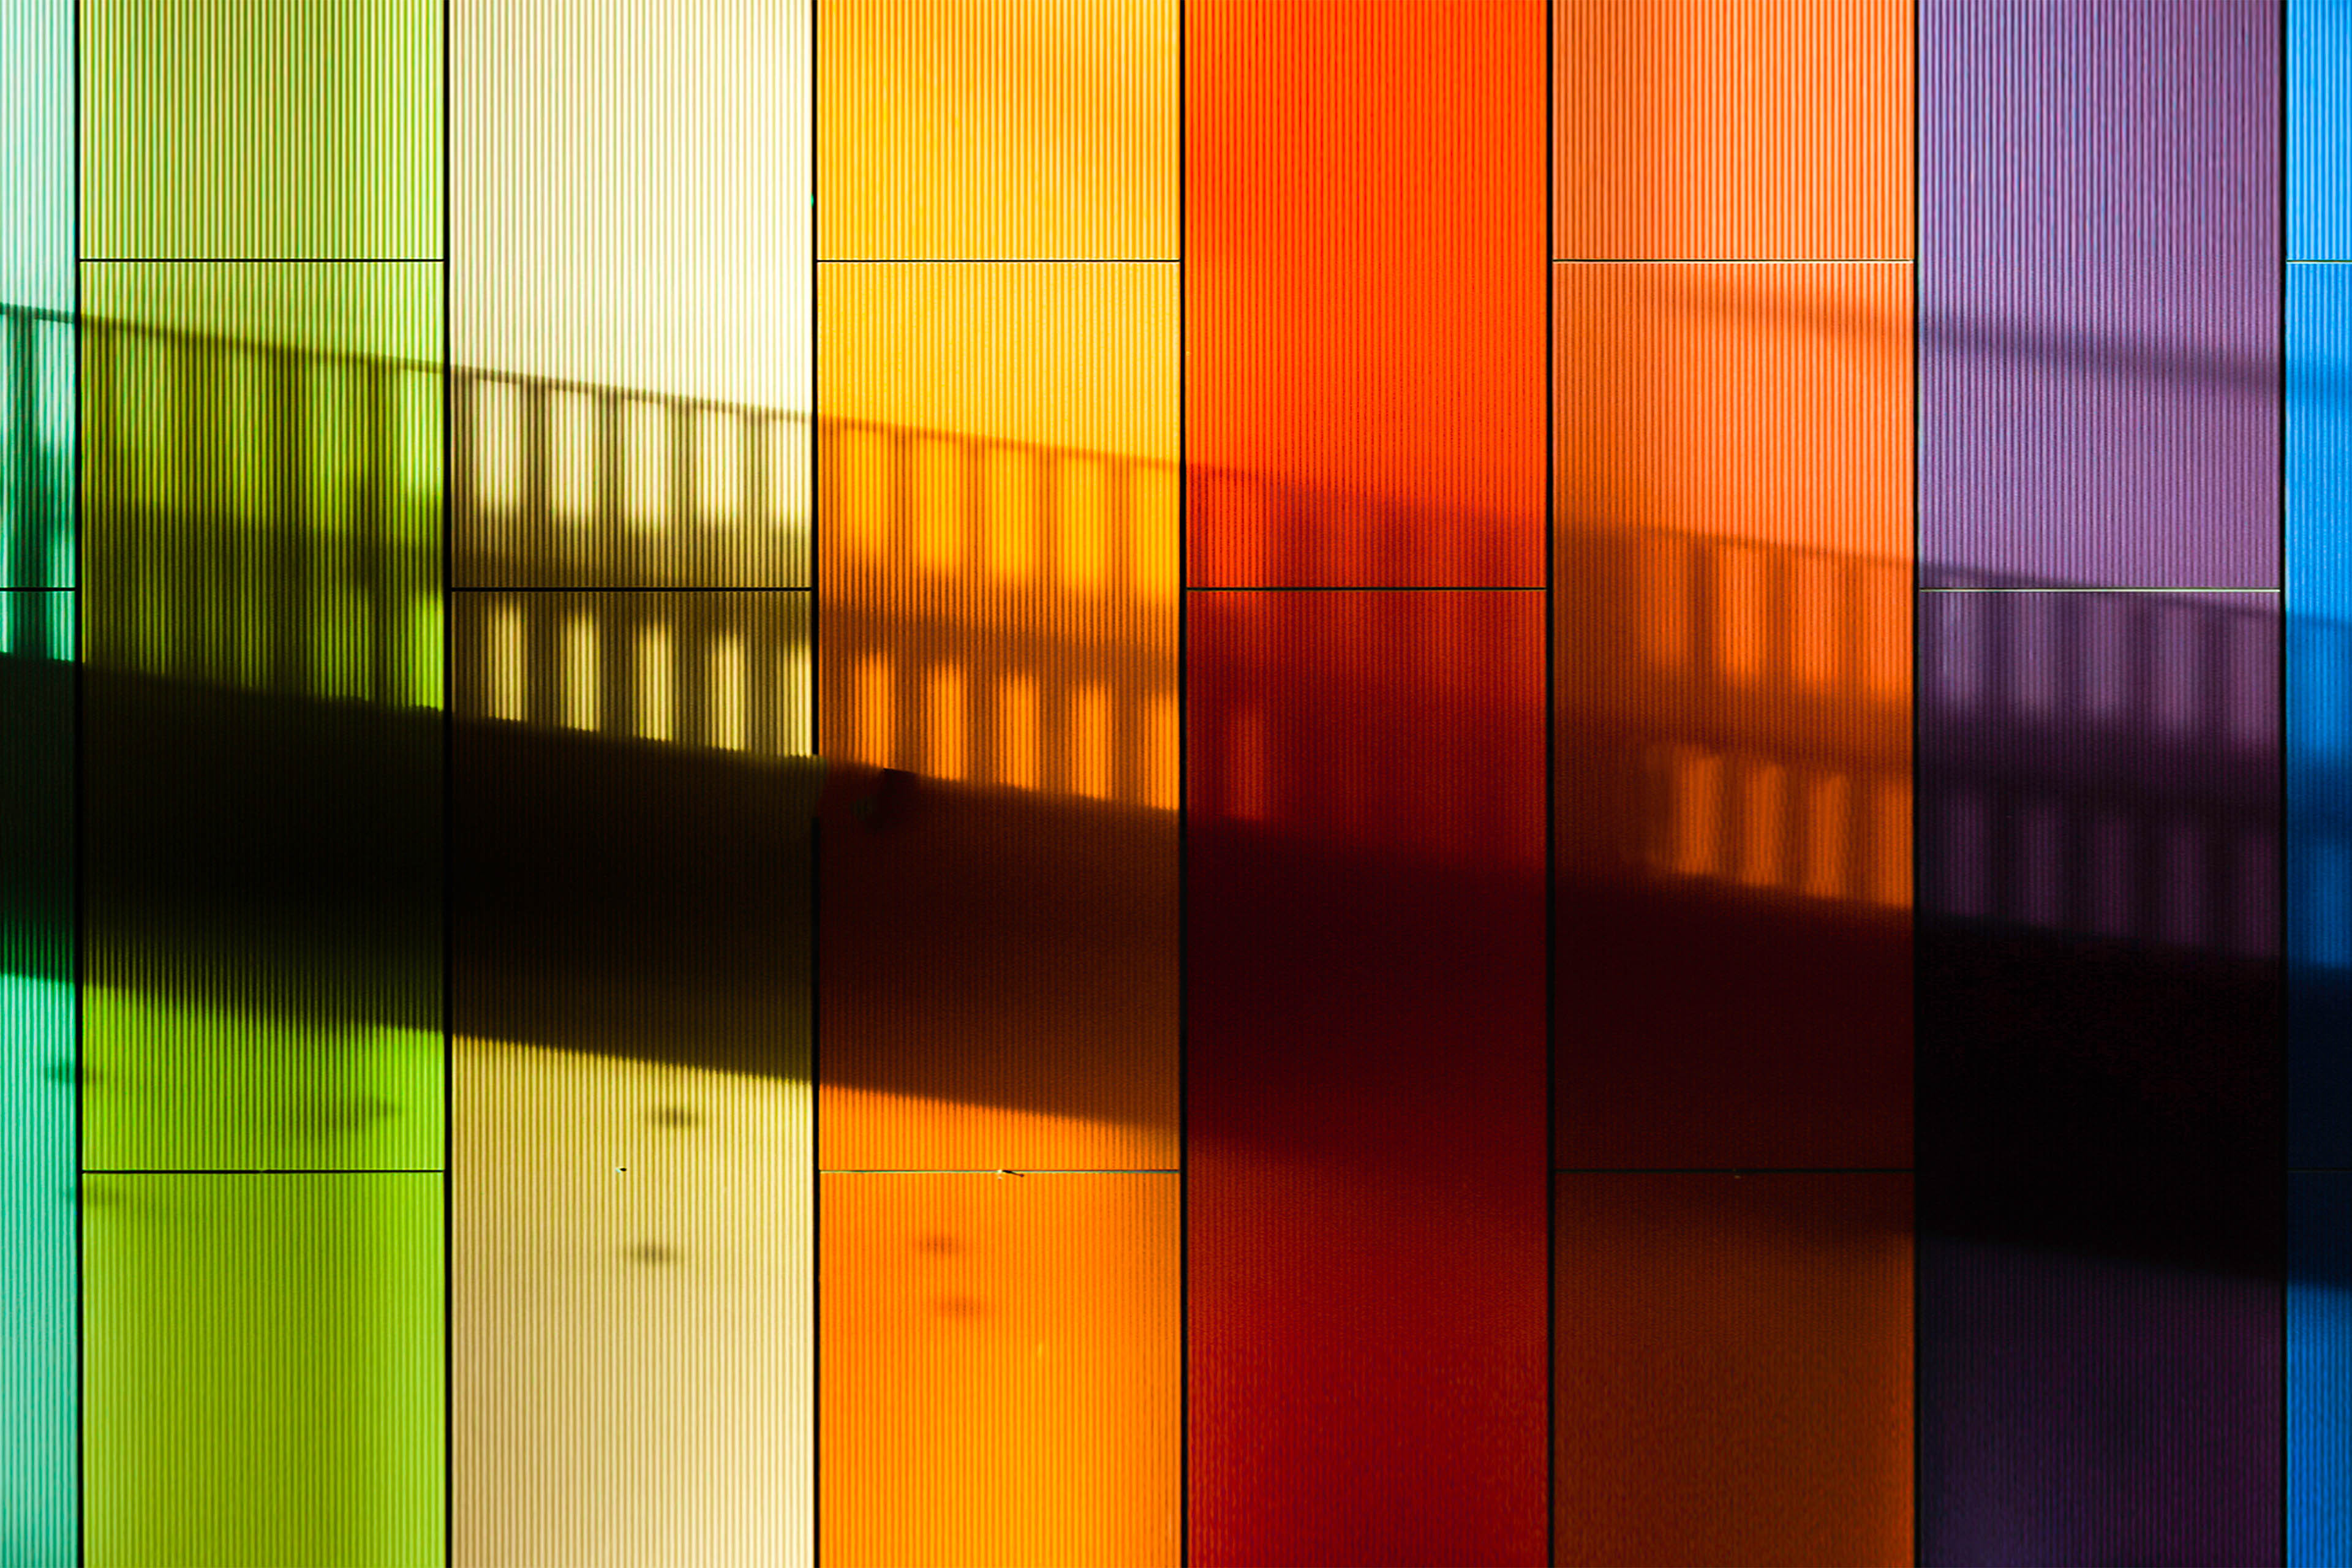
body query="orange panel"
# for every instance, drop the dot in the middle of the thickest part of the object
(1363, 263)
(998, 560)
(1003, 1370)
(1759, 129)
(997, 129)
(1734, 681)
(1733, 1369)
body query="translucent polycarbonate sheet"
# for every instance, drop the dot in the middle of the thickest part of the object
(630, 292)
(261, 761)
(37, 153)
(1733, 685)
(39, 1334)
(1364, 293)
(714, 671)
(2318, 130)
(2319, 1369)
(1003, 1368)
(262, 455)
(290, 129)
(1365, 1076)
(2099, 234)
(262, 128)
(633, 1362)
(998, 130)
(1692, 130)
(1081, 359)
(1732, 1368)
(2319, 712)
(999, 545)
(264, 1370)
(40, 479)
(2102, 1081)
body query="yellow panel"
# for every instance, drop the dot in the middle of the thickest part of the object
(997, 129)
(999, 549)
(1073, 357)
(630, 1325)
(1003, 1370)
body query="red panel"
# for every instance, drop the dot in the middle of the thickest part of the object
(1365, 1073)
(1364, 284)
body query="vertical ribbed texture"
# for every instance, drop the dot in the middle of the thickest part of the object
(999, 557)
(2319, 571)
(631, 785)
(1734, 689)
(2101, 1082)
(1365, 312)
(261, 882)
(261, 769)
(1365, 1077)
(630, 284)
(2318, 123)
(2319, 1369)
(2098, 307)
(261, 128)
(264, 1362)
(1732, 535)
(1734, 1368)
(1745, 129)
(983, 130)
(632, 1293)
(39, 1500)
(993, 1338)
(2100, 1077)
(999, 369)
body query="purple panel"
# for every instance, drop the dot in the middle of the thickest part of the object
(2099, 292)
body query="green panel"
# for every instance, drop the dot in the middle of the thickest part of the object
(40, 1507)
(265, 1372)
(307, 129)
(36, 96)
(261, 741)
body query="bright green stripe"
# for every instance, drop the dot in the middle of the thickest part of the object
(261, 128)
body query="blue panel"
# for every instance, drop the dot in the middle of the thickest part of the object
(2319, 1370)
(2319, 712)
(2318, 130)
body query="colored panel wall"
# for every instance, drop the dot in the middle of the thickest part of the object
(2319, 697)
(1733, 682)
(264, 1369)
(1364, 255)
(1732, 129)
(36, 85)
(2318, 130)
(1732, 1368)
(998, 130)
(261, 764)
(2318, 1368)
(2098, 316)
(632, 1369)
(630, 288)
(2100, 1116)
(999, 559)
(261, 812)
(39, 1336)
(1365, 1071)
(287, 129)
(1003, 1370)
